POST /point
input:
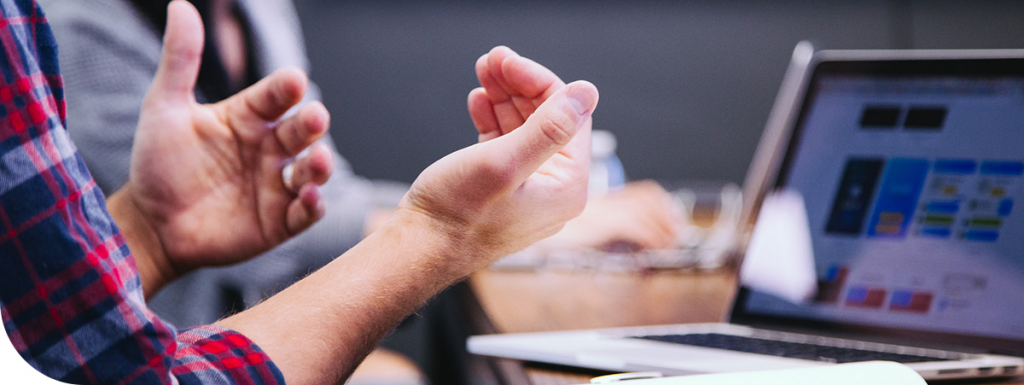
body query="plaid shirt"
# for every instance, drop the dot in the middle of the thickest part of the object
(70, 294)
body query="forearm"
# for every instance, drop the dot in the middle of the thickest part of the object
(154, 269)
(318, 330)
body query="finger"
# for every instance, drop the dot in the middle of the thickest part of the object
(516, 85)
(529, 83)
(662, 232)
(506, 113)
(505, 104)
(549, 130)
(508, 116)
(494, 90)
(305, 209)
(304, 128)
(653, 202)
(316, 167)
(482, 112)
(495, 58)
(662, 216)
(268, 99)
(181, 56)
(530, 80)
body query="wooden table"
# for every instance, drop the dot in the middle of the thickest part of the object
(517, 301)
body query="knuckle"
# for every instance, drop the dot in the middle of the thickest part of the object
(558, 127)
(276, 94)
(181, 55)
(322, 173)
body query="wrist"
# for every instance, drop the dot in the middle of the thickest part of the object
(155, 269)
(444, 247)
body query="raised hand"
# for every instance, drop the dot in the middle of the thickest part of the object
(525, 179)
(512, 88)
(207, 179)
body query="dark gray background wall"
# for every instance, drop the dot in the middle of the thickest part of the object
(685, 85)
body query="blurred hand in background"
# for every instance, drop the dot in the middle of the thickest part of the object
(642, 215)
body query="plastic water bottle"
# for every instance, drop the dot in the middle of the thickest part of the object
(606, 173)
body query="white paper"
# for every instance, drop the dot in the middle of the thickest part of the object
(779, 258)
(861, 373)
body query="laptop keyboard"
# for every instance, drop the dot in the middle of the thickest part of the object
(788, 349)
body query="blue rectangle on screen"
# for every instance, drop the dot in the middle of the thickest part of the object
(1005, 207)
(857, 294)
(948, 207)
(1002, 168)
(852, 203)
(982, 235)
(897, 197)
(955, 166)
(936, 232)
(901, 298)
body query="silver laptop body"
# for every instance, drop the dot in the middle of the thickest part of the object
(909, 163)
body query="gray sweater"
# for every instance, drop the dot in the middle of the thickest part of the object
(109, 55)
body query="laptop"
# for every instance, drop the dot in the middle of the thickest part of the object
(909, 164)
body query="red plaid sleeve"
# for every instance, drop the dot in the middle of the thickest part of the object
(70, 296)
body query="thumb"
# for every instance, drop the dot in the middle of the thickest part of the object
(549, 129)
(182, 54)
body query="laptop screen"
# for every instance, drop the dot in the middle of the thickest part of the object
(911, 173)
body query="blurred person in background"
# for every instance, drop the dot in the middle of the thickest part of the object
(110, 50)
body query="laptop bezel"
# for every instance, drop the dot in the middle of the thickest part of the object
(780, 141)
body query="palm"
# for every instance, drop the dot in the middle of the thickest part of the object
(200, 178)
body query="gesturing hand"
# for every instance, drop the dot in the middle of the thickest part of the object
(207, 178)
(526, 178)
(512, 88)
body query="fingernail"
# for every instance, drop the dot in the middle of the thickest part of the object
(580, 99)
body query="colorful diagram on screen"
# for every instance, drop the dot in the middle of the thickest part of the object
(942, 198)
(961, 199)
(968, 200)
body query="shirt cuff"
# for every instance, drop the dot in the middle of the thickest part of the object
(216, 355)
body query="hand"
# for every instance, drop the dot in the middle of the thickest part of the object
(641, 215)
(206, 179)
(526, 178)
(512, 89)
